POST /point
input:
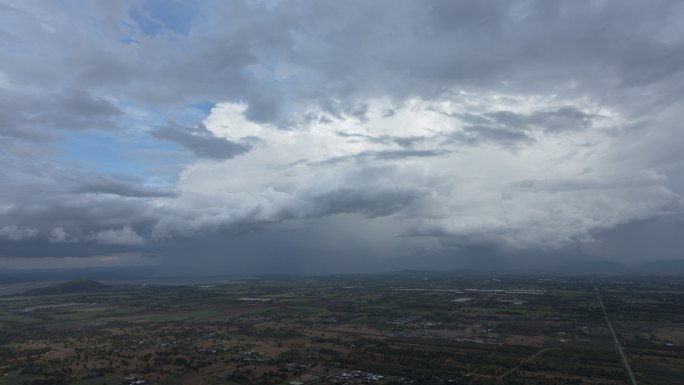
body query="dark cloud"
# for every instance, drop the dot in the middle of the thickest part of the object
(84, 105)
(201, 142)
(529, 45)
(403, 141)
(371, 203)
(386, 155)
(587, 183)
(75, 110)
(564, 118)
(506, 137)
(79, 214)
(35, 116)
(511, 129)
(559, 124)
(43, 249)
(125, 187)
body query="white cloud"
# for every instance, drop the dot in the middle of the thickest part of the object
(59, 235)
(123, 236)
(14, 233)
(227, 120)
(453, 174)
(413, 127)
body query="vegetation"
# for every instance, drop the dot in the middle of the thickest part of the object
(435, 329)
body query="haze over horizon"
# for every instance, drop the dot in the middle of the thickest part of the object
(358, 136)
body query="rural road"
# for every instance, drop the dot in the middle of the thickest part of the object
(523, 363)
(617, 343)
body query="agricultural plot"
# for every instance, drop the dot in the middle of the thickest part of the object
(407, 329)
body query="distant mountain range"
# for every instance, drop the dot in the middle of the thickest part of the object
(579, 267)
(110, 273)
(670, 266)
(583, 267)
(565, 267)
(79, 286)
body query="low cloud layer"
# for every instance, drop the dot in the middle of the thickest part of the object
(341, 136)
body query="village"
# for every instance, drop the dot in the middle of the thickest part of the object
(443, 330)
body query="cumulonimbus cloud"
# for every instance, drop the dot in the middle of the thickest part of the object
(421, 127)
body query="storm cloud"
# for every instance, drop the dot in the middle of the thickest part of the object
(201, 141)
(355, 136)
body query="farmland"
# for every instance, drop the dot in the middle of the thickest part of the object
(411, 328)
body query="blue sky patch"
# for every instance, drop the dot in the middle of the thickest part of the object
(155, 16)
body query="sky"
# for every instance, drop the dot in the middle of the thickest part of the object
(271, 136)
